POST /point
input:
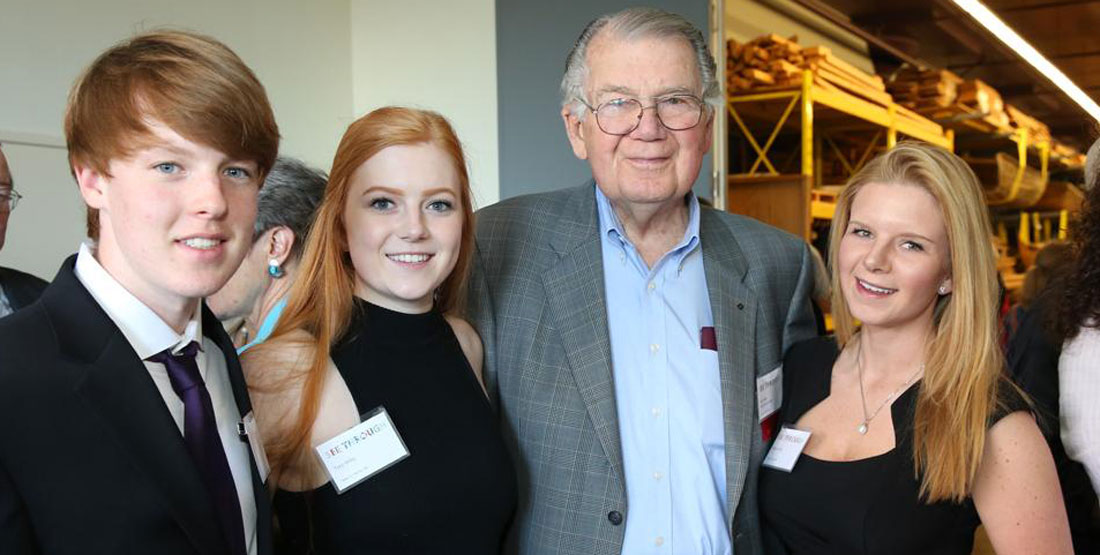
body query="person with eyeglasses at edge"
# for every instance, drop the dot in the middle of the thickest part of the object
(628, 330)
(17, 289)
(127, 423)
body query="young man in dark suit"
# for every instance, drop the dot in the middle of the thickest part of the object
(17, 289)
(122, 404)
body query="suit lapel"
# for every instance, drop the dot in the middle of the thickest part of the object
(213, 329)
(577, 304)
(734, 308)
(117, 388)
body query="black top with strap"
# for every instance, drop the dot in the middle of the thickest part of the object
(864, 506)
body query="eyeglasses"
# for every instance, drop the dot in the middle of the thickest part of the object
(9, 200)
(621, 116)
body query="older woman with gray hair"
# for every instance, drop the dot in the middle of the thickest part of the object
(250, 303)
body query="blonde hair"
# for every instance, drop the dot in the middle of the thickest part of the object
(321, 299)
(963, 362)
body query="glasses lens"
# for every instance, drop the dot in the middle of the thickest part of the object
(680, 112)
(618, 116)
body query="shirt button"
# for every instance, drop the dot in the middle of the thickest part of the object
(659, 541)
(653, 348)
(652, 286)
(622, 257)
(658, 475)
(615, 518)
(656, 411)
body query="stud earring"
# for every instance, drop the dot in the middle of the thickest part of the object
(274, 270)
(943, 290)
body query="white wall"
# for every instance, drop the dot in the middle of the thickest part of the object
(299, 50)
(438, 55)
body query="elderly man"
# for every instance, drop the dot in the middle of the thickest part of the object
(17, 289)
(633, 340)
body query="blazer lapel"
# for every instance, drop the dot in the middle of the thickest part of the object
(577, 304)
(734, 308)
(117, 387)
(213, 329)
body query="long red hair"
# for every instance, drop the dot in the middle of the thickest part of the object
(321, 299)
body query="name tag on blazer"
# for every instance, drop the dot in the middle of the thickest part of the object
(769, 398)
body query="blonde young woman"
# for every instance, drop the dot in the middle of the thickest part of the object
(916, 437)
(370, 324)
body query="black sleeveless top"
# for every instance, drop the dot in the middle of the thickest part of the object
(455, 492)
(864, 506)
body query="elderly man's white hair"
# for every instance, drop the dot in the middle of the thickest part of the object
(634, 23)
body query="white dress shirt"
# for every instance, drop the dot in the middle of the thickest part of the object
(149, 335)
(1078, 391)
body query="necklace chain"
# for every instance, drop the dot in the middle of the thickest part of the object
(866, 424)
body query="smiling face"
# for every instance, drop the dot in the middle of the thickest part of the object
(651, 165)
(403, 218)
(175, 219)
(894, 256)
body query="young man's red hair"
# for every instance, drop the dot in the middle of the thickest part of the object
(192, 83)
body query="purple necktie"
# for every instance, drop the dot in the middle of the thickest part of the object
(200, 433)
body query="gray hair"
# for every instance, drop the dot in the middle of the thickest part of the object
(633, 23)
(290, 196)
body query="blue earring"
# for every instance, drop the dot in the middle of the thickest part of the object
(274, 270)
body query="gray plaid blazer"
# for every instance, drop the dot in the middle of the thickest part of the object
(537, 299)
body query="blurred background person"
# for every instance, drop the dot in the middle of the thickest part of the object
(1031, 355)
(1079, 323)
(17, 289)
(250, 304)
(373, 322)
(917, 435)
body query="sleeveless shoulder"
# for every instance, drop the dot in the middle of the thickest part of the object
(807, 373)
(811, 351)
(1010, 399)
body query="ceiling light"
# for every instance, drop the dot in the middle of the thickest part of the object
(994, 25)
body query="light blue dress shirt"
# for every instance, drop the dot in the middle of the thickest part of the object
(667, 392)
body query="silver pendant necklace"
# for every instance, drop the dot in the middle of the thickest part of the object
(865, 425)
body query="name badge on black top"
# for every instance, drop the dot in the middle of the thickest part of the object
(362, 451)
(786, 449)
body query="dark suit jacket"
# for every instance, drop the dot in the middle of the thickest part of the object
(537, 299)
(90, 459)
(20, 288)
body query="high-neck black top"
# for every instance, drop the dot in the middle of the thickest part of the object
(456, 491)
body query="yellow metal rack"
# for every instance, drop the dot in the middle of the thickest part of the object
(792, 201)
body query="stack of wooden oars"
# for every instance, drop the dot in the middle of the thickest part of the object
(924, 89)
(1036, 130)
(772, 61)
(948, 98)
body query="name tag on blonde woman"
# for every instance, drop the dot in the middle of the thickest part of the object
(786, 449)
(362, 451)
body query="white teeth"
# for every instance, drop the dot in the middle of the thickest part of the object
(874, 289)
(409, 258)
(201, 243)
